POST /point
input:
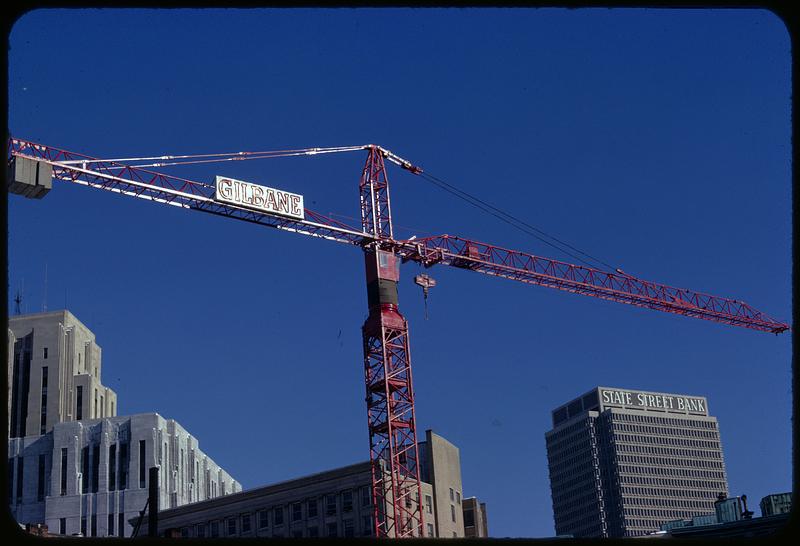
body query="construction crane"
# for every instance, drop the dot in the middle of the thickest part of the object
(397, 507)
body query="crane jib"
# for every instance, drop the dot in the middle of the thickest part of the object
(257, 197)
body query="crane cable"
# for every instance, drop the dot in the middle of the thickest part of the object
(513, 220)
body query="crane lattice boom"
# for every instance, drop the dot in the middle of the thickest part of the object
(444, 250)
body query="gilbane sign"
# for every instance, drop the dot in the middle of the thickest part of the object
(258, 197)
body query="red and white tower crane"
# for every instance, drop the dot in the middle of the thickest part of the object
(391, 420)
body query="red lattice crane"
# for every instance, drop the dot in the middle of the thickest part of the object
(397, 508)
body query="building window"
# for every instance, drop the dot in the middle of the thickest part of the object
(366, 496)
(20, 474)
(40, 479)
(430, 529)
(245, 523)
(83, 526)
(297, 511)
(121, 525)
(429, 504)
(469, 518)
(348, 528)
(63, 471)
(112, 467)
(312, 508)
(332, 529)
(43, 410)
(95, 468)
(142, 473)
(44, 353)
(124, 461)
(277, 517)
(455, 535)
(452, 498)
(313, 532)
(214, 529)
(231, 526)
(347, 501)
(94, 525)
(200, 530)
(110, 526)
(184, 532)
(79, 403)
(95, 403)
(85, 470)
(452, 512)
(458, 497)
(62, 526)
(263, 519)
(330, 505)
(366, 525)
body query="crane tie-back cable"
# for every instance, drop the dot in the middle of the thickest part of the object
(512, 220)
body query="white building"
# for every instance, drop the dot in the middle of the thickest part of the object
(72, 463)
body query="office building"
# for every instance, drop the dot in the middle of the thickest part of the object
(53, 374)
(75, 466)
(622, 462)
(336, 503)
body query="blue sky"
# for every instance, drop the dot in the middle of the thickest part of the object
(657, 140)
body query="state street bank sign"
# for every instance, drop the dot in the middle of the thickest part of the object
(652, 400)
(262, 198)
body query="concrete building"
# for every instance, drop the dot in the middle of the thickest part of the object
(623, 462)
(475, 523)
(53, 374)
(336, 503)
(73, 464)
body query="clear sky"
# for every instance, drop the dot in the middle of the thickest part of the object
(657, 140)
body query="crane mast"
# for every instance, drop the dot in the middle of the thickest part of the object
(394, 456)
(387, 369)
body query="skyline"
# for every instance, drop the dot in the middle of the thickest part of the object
(656, 140)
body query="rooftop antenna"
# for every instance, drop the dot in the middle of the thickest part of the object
(425, 282)
(17, 301)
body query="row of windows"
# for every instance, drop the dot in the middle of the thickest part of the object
(685, 485)
(679, 452)
(664, 461)
(244, 525)
(667, 440)
(665, 431)
(672, 421)
(662, 471)
(674, 503)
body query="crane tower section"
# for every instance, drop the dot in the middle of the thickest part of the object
(387, 371)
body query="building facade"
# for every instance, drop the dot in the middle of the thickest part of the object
(73, 464)
(336, 503)
(53, 374)
(623, 462)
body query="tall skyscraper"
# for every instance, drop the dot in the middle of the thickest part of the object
(623, 462)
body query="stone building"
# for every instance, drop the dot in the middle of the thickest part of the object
(73, 464)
